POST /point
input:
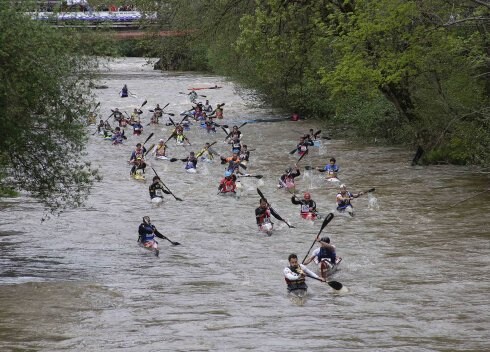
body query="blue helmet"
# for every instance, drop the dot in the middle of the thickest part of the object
(228, 173)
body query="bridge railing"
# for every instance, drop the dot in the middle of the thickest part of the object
(92, 16)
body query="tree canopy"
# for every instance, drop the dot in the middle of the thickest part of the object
(44, 96)
(413, 71)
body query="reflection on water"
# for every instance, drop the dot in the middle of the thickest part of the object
(416, 269)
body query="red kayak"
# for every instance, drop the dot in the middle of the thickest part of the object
(309, 216)
(201, 88)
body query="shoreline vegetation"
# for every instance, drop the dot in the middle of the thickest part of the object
(398, 73)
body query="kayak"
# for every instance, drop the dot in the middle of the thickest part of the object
(201, 88)
(191, 171)
(326, 268)
(317, 143)
(138, 176)
(151, 246)
(309, 216)
(332, 179)
(267, 228)
(298, 296)
(157, 200)
(348, 209)
(161, 157)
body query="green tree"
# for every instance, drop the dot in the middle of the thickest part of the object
(44, 96)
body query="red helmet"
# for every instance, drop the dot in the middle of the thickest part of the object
(307, 195)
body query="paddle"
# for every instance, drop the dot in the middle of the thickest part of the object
(217, 107)
(229, 134)
(369, 190)
(273, 212)
(301, 157)
(256, 176)
(464, 200)
(293, 151)
(202, 151)
(163, 184)
(168, 239)
(150, 149)
(104, 123)
(328, 218)
(333, 284)
(147, 139)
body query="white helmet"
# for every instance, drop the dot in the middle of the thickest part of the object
(343, 187)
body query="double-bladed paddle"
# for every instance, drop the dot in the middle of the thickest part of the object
(247, 175)
(217, 107)
(147, 139)
(173, 242)
(229, 134)
(273, 212)
(204, 149)
(163, 184)
(333, 284)
(328, 218)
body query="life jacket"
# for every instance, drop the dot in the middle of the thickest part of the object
(180, 138)
(236, 147)
(160, 150)
(265, 217)
(326, 253)
(146, 233)
(191, 163)
(331, 169)
(342, 204)
(292, 284)
(228, 185)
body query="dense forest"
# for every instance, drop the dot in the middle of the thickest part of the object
(415, 73)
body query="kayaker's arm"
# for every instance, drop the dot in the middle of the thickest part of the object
(294, 201)
(310, 273)
(158, 234)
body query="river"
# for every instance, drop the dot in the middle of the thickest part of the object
(416, 268)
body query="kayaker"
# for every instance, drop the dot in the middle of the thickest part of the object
(117, 116)
(192, 96)
(331, 168)
(190, 161)
(207, 107)
(208, 121)
(219, 111)
(117, 136)
(137, 128)
(146, 235)
(206, 153)
(156, 188)
(124, 91)
(326, 251)
(295, 274)
(135, 116)
(160, 149)
(244, 154)
(228, 183)
(233, 162)
(137, 159)
(302, 146)
(308, 206)
(157, 113)
(236, 145)
(287, 179)
(344, 197)
(263, 213)
(235, 132)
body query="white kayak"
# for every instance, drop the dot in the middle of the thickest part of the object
(157, 200)
(347, 210)
(191, 171)
(332, 179)
(317, 143)
(267, 228)
(161, 157)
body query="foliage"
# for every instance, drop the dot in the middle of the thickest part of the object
(412, 72)
(44, 95)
